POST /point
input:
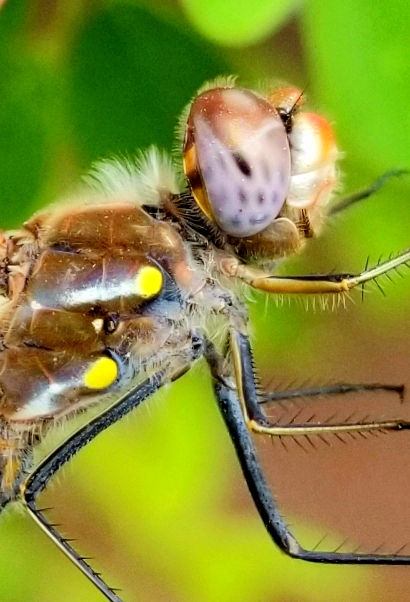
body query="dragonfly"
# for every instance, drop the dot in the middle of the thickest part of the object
(114, 293)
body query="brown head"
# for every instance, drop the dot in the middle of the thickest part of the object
(260, 170)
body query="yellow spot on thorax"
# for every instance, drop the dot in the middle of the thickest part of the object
(149, 281)
(101, 374)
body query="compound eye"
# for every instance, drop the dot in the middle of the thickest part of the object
(237, 160)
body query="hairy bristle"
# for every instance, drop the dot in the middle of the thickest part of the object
(143, 179)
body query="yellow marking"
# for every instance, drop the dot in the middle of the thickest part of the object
(149, 281)
(101, 374)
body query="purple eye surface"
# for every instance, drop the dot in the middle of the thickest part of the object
(243, 157)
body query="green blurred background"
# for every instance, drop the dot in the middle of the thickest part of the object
(158, 500)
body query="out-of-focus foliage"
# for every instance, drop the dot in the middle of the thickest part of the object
(237, 22)
(158, 500)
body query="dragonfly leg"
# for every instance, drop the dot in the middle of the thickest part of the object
(242, 415)
(38, 479)
(316, 284)
(330, 390)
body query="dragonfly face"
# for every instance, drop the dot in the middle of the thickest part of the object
(111, 295)
(259, 166)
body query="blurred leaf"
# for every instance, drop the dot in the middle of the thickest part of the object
(23, 127)
(237, 22)
(132, 74)
(129, 74)
(360, 70)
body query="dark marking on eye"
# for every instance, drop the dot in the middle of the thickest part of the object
(274, 198)
(243, 165)
(242, 197)
(258, 220)
(261, 198)
(222, 161)
(236, 221)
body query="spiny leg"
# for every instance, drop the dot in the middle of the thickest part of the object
(326, 283)
(241, 411)
(232, 414)
(321, 284)
(281, 398)
(38, 480)
(257, 421)
(356, 197)
(329, 390)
